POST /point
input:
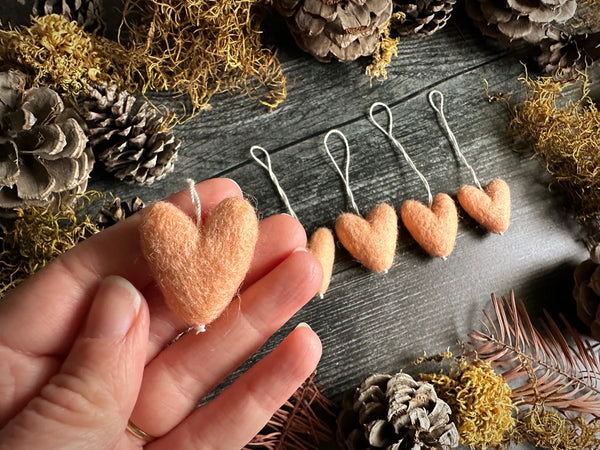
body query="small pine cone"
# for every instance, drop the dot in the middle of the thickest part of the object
(118, 210)
(126, 135)
(88, 13)
(570, 54)
(45, 157)
(395, 413)
(423, 17)
(336, 29)
(587, 292)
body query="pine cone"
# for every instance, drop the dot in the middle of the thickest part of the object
(340, 29)
(85, 12)
(570, 53)
(395, 413)
(126, 136)
(587, 292)
(423, 17)
(514, 21)
(585, 21)
(45, 157)
(118, 210)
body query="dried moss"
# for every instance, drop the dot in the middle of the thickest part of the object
(480, 401)
(568, 140)
(386, 49)
(195, 47)
(35, 238)
(200, 48)
(60, 54)
(548, 429)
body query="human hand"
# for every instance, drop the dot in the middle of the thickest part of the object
(84, 351)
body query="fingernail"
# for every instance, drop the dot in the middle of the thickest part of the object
(300, 249)
(235, 182)
(114, 309)
(303, 325)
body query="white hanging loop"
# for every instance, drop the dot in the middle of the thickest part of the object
(273, 177)
(195, 201)
(345, 178)
(442, 118)
(397, 143)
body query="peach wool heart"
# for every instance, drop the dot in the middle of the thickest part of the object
(490, 207)
(199, 268)
(372, 240)
(433, 228)
(322, 246)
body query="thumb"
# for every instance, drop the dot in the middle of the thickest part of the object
(88, 402)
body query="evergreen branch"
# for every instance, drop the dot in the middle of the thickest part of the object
(302, 423)
(545, 369)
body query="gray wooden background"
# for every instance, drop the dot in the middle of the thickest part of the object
(379, 323)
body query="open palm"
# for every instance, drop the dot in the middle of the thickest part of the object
(75, 370)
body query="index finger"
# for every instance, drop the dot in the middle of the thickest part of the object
(42, 316)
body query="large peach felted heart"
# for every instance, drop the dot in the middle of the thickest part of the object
(199, 268)
(372, 240)
(433, 228)
(322, 246)
(490, 207)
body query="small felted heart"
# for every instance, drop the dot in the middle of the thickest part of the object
(199, 268)
(433, 228)
(322, 246)
(372, 240)
(490, 207)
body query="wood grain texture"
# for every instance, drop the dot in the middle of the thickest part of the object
(372, 322)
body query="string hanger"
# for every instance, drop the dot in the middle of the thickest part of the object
(371, 240)
(321, 243)
(273, 177)
(398, 145)
(490, 206)
(442, 118)
(195, 201)
(345, 178)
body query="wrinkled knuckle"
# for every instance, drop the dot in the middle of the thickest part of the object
(255, 393)
(75, 398)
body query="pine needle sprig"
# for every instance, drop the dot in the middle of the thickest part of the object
(302, 423)
(543, 367)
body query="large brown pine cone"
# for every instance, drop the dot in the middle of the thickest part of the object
(336, 29)
(88, 13)
(513, 21)
(43, 148)
(395, 413)
(567, 32)
(126, 135)
(423, 17)
(587, 292)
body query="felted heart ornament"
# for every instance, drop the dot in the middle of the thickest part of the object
(372, 240)
(433, 228)
(199, 268)
(490, 207)
(322, 246)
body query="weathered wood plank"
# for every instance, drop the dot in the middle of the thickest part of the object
(422, 304)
